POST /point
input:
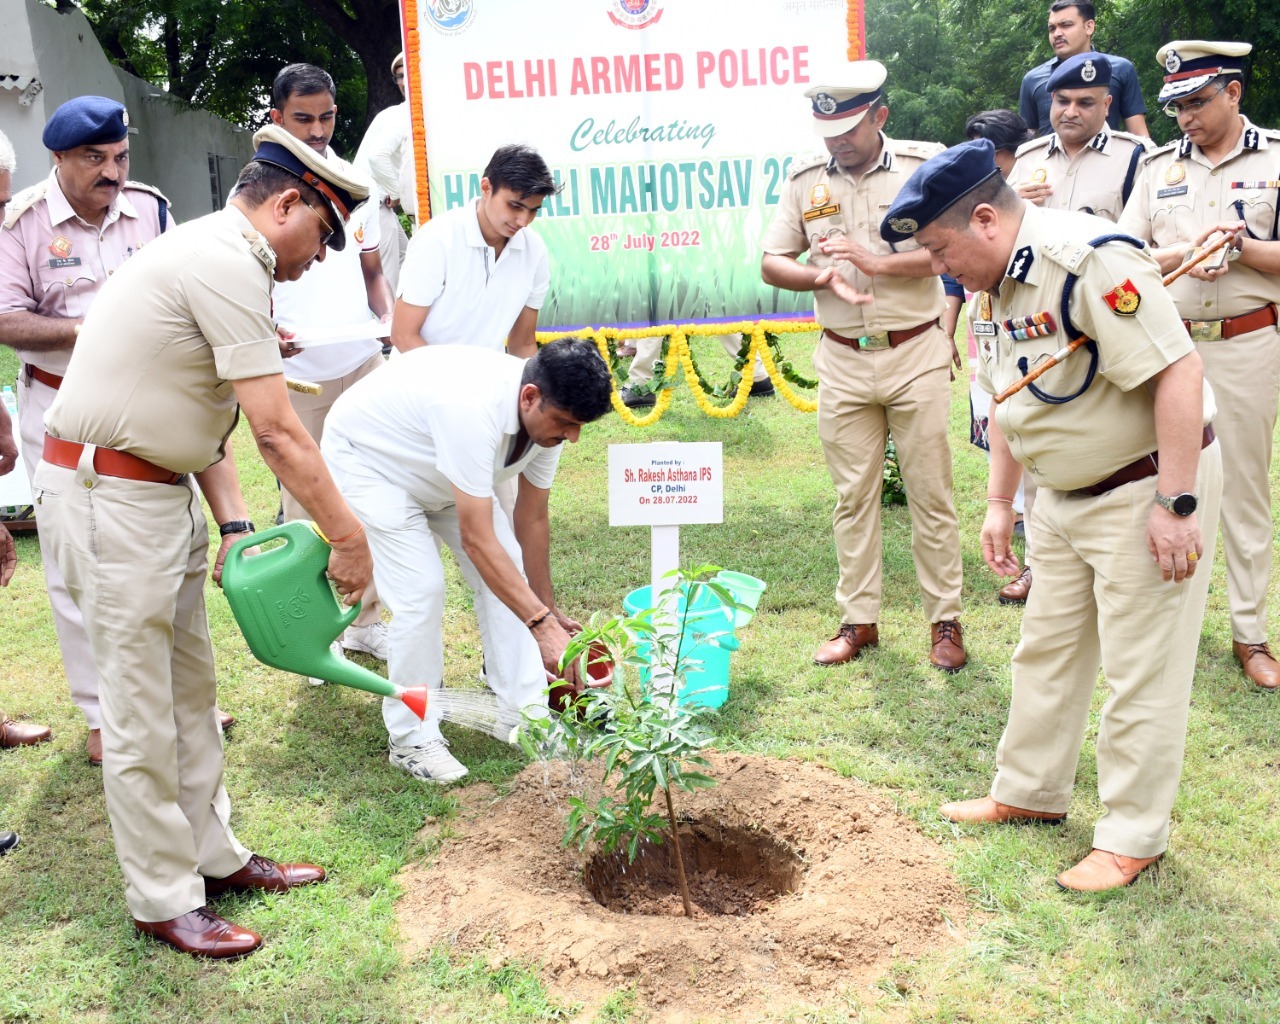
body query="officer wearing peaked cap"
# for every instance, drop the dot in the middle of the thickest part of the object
(183, 333)
(63, 238)
(883, 359)
(1221, 177)
(1117, 436)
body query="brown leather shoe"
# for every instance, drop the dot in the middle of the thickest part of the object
(93, 747)
(203, 933)
(1016, 591)
(18, 734)
(1259, 664)
(1103, 870)
(989, 811)
(846, 644)
(946, 649)
(267, 875)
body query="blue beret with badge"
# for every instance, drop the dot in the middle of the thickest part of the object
(1081, 71)
(937, 185)
(86, 121)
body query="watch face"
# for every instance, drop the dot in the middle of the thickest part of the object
(1184, 504)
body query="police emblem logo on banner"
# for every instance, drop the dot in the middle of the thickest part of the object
(449, 17)
(635, 14)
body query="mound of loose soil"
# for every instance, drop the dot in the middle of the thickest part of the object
(804, 884)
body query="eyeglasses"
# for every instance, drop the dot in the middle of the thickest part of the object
(1176, 109)
(328, 234)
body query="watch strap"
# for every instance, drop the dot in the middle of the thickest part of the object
(235, 526)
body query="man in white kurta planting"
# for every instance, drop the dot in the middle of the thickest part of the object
(418, 453)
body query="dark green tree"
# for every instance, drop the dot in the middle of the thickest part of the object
(223, 56)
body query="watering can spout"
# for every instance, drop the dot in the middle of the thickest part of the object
(289, 612)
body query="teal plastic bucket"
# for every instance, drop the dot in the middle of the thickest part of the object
(708, 683)
(745, 590)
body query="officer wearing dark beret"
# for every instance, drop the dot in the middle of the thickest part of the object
(1117, 438)
(63, 238)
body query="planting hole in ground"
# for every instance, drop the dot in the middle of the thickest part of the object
(732, 872)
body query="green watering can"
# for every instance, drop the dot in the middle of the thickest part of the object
(289, 612)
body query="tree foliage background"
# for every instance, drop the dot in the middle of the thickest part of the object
(947, 59)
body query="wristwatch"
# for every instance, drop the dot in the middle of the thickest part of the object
(244, 526)
(1180, 504)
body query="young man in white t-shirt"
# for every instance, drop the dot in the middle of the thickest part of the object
(418, 454)
(477, 275)
(345, 288)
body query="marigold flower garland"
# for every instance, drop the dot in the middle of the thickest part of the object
(676, 353)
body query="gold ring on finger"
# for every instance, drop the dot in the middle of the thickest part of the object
(1192, 556)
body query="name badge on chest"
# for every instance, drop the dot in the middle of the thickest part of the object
(66, 261)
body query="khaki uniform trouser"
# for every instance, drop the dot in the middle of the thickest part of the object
(861, 397)
(1245, 375)
(1099, 600)
(649, 349)
(34, 400)
(312, 410)
(135, 557)
(392, 247)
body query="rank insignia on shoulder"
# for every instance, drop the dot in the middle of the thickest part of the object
(1124, 299)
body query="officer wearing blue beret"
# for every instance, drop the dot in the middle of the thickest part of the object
(64, 238)
(1117, 437)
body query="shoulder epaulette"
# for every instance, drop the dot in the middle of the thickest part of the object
(909, 147)
(1034, 144)
(1271, 133)
(1168, 147)
(23, 201)
(142, 186)
(1138, 140)
(807, 162)
(1068, 254)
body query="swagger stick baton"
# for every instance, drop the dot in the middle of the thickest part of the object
(1076, 343)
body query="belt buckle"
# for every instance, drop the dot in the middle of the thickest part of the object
(1205, 330)
(874, 342)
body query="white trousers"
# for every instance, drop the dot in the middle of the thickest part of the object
(403, 538)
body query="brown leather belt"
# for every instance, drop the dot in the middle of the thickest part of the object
(1139, 469)
(884, 339)
(108, 462)
(1232, 326)
(49, 380)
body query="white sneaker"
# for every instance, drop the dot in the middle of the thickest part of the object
(373, 639)
(335, 649)
(430, 762)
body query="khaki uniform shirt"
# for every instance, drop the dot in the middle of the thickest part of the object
(1178, 194)
(53, 263)
(151, 373)
(1096, 180)
(1118, 300)
(820, 202)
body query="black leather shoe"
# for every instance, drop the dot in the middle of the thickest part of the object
(634, 401)
(762, 389)
(8, 840)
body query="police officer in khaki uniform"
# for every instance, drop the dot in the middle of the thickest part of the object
(1084, 165)
(183, 335)
(1220, 177)
(883, 361)
(1118, 438)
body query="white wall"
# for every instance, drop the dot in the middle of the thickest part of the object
(171, 147)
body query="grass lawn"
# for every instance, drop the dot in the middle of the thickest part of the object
(309, 779)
